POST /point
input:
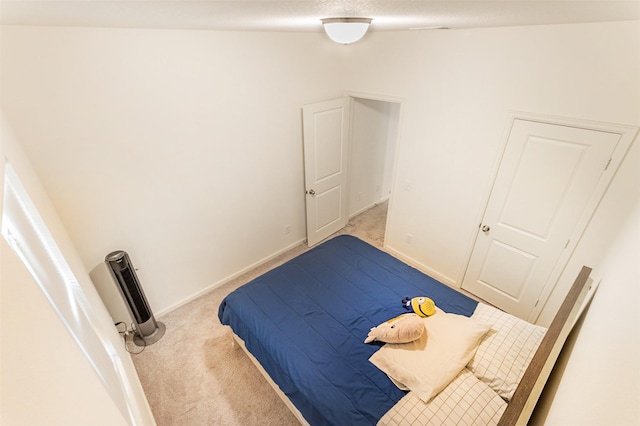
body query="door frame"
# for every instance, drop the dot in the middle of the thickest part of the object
(627, 135)
(401, 104)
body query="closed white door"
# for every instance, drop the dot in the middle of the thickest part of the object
(547, 176)
(326, 149)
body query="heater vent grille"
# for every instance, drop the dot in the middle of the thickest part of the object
(134, 294)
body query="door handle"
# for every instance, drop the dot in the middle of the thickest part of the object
(311, 192)
(486, 228)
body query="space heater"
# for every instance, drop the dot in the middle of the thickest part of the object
(147, 330)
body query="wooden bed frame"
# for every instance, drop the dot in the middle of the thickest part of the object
(526, 396)
(529, 389)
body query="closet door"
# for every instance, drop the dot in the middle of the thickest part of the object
(549, 180)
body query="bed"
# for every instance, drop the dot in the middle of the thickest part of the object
(304, 324)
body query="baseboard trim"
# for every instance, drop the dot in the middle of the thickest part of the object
(423, 268)
(229, 278)
(367, 207)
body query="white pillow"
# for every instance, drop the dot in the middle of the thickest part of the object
(506, 351)
(428, 364)
(465, 401)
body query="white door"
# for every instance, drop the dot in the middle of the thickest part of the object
(326, 149)
(547, 176)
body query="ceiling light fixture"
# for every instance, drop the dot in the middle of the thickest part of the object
(346, 30)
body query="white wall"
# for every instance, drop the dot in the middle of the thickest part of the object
(600, 359)
(45, 377)
(183, 148)
(459, 87)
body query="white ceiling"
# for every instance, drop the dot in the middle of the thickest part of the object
(305, 15)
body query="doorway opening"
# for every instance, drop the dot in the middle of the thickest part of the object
(349, 157)
(374, 138)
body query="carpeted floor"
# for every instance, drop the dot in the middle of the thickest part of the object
(194, 376)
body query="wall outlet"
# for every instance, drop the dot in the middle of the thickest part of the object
(287, 229)
(408, 238)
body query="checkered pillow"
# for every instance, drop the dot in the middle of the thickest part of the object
(466, 401)
(505, 351)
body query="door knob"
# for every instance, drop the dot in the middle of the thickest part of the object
(486, 228)
(311, 192)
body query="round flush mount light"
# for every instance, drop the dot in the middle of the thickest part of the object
(346, 30)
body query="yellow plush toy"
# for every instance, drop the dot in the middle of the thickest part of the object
(422, 306)
(401, 329)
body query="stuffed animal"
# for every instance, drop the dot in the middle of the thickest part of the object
(422, 306)
(401, 329)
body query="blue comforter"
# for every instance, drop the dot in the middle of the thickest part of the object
(306, 320)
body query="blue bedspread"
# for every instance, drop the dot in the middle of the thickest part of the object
(305, 321)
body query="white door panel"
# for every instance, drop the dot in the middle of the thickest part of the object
(328, 142)
(507, 265)
(328, 207)
(326, 148)
(546, 178)
(536, 194)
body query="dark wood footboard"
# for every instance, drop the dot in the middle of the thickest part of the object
(530, 387)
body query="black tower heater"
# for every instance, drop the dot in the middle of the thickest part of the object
(147, 331)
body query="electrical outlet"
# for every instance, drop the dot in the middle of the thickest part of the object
(287, 229)
(409, 238)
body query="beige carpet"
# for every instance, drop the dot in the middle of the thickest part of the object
(194, 376)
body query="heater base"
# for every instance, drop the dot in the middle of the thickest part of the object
(151, 338)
